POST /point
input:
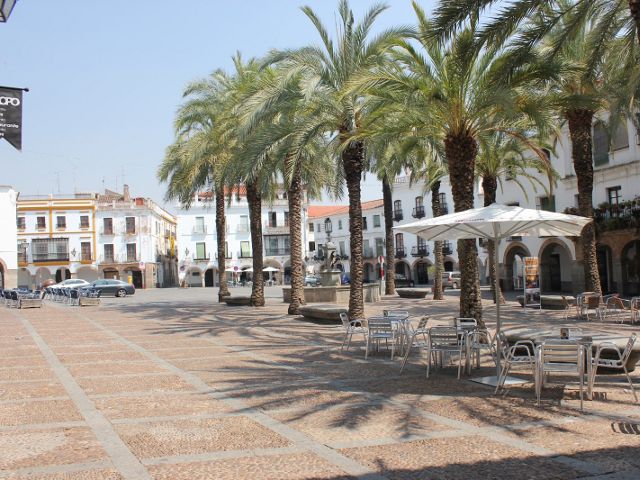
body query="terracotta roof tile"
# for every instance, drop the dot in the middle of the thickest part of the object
(316, 211)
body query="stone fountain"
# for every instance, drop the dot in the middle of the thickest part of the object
(329, 274)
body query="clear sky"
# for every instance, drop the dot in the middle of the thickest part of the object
(106, 78)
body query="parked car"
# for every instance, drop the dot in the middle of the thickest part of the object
(311, 281)
(117, 288)
(402, 281)
(450, 279)
(72, 283)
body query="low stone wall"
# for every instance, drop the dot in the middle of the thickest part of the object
(412, 292)
(30, 303)
(323, 313)
(371, 293)
(237, 300)
(549, 302)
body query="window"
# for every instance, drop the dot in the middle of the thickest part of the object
(41, 223)
(364, 223)
(547, 203)
(107, 226)
(312, 246)
(311, 226)
(131, 225)
(50, 249)
(131, 251)
(319, 229)
(421, 242)
(339, 224)
(286, 219)
(613, 195)
(399, 240)
(419, 202)
(243, 225)
(199, 227)
(273, 219)
(84, 221)
(600, 145)
(366, 249)
(444, 208)
(620, 138)
(61, 222)
(245, 249)
(376, 221)
(108, 252)
(226, 250)
(287, 246)
(341, 247)
(22, 251)
(85, 251)
(21, 223)
(201, 251)
(379, 246)
(397, 205)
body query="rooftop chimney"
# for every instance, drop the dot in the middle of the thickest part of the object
(125, 193)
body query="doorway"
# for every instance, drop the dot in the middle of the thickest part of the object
(208, 278)
(555, 272)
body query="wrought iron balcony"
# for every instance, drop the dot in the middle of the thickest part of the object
(274, 252)
(418, 212)
(397, 215)
(203, 258)
(120, 258)
(245, 255)
(444, 209)
(401, 252)
(514, 238)
(420, 251)
(50, 257)
(446, 248)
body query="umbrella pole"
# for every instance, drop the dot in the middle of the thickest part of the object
(495, 288)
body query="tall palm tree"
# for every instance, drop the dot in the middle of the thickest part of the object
(196, 159)
(452, 96)
(273, 118)
(338, 111)
(503, 157)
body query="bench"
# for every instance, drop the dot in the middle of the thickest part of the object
(322, 312)
(30, 303)
(238, 300)
(549, 302)
(412, 292)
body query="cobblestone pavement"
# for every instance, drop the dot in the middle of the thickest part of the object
(167, 384)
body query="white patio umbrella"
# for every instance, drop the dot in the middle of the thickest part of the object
(270, 269)
(496, 222)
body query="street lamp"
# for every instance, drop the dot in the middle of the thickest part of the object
(328, 228)
(5, 9)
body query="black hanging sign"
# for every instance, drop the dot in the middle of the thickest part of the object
(11, 115)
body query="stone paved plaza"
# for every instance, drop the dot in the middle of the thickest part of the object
(168, 384)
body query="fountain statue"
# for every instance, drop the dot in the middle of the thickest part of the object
(329, 274)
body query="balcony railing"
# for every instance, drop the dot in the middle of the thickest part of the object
(624, 215)
(368, 253)
(401, 252)
(418, 212)
(397, 215)
(227, 256)
(420, 251)
(119, 258)
(444, 209)
(50, 257)
(22, 258)
(446, 249)
(245, 255)
(86, 258)
(274, 252)
(199, 229)
(203, 258)
(270, 229)
(515, 238)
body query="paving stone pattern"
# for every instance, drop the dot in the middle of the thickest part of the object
(170, 385)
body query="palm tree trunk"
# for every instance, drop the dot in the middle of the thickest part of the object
(221, 235)
(294, 196)
(254, 197)
(490, 188)
(461, 151)
(634, 8)
(580, 122)
(436, 210)
(390, 271)
(353, 164)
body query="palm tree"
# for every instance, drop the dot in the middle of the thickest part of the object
(454, 96)
(503, 157)
(615, 16)
(338, 111)
(273, 117)
(195, 161)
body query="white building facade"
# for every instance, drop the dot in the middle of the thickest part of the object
(9, 238)
(198, 239)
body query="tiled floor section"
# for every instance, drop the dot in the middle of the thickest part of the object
(189, 389)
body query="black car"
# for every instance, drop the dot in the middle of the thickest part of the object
(117, 288)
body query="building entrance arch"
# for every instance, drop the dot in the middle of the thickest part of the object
(555, 267)
(630, 261)
(513, 263)
(62, 274)
(421, 269)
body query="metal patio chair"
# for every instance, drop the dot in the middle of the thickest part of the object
(619, 363)
(444, 340)
(560, 356)
(350, 327)
(520, 355)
